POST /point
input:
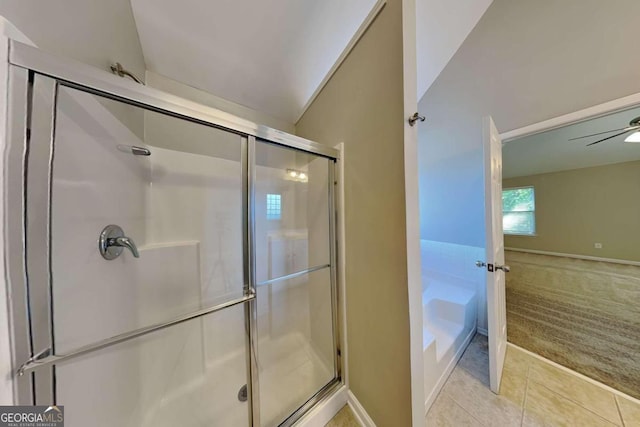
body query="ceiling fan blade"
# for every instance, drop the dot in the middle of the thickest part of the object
(599, 133)
(612, 136)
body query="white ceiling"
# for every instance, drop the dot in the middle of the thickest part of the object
(552, 151)
(267, 55)
(441, 27)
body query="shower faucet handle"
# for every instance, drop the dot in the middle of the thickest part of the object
(112, 242)
(124, 242)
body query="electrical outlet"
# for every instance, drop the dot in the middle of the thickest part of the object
(597, 245)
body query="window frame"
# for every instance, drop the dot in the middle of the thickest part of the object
(535, 223)
(271, 212)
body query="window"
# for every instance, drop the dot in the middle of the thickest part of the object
(274, 206)
(519, 211)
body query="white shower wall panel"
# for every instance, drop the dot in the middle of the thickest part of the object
(199, 197)
(93, 185)
(159, 380)
(195, 197)
(183, 210)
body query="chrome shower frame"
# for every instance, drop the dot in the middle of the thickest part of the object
(28, 68)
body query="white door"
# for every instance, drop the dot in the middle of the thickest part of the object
(496, 302)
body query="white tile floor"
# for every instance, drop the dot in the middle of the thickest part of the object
(533, 392)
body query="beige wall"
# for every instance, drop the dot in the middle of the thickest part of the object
(362, 106)
(577, 208)
(524, 62)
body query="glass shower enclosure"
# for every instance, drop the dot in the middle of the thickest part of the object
(169, 264)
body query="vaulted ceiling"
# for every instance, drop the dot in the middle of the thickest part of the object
(552, 151)
(442, 26)
(272, 56)
(267, 55)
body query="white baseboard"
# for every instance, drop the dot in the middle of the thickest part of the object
(483, 331)
(445, 375)
(358, 410)
(322, 413)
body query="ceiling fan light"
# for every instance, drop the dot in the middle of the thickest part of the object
(634, 137)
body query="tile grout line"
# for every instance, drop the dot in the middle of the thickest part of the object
(467, 412)
(577, 374)
(455, 402)
(574, 402)
(579, 404)
(524, 398)
(570, 399)
(615, 398)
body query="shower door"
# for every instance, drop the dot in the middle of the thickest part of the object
(177, 273)
(163, 322)
(293, 252)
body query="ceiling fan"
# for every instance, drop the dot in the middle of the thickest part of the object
(634, 125)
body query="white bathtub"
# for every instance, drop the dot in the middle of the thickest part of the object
(449, 316)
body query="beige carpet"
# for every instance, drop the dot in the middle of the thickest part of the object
(582, 314)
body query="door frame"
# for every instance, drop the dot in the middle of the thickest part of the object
(412, 213)
(582, 115)
(598, 110)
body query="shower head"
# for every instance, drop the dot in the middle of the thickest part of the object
(119, 70)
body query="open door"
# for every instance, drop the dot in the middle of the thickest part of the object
(496, 301)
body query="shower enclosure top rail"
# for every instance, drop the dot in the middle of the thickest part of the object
(76, 74)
